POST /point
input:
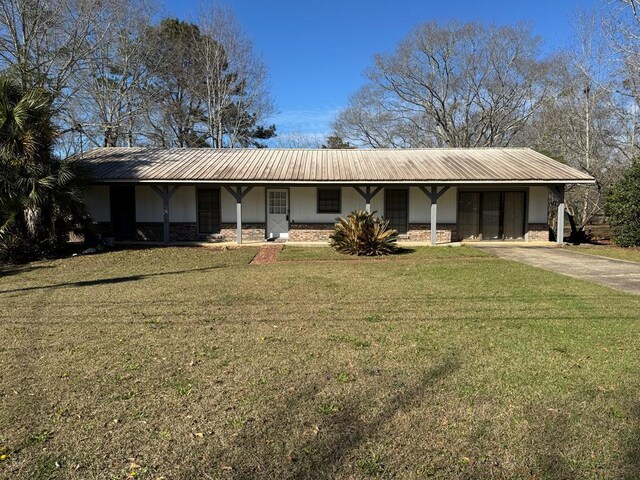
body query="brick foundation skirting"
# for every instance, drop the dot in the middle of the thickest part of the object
(421, 232)
(310, 232)
(149, 231)
(538, 232)
(251, 232)
(178, 231)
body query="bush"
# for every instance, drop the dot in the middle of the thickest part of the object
(623, 207)
(363, 233)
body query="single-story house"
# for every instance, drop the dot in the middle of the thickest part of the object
(433, 195)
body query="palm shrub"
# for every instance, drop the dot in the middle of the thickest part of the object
(623, 207)
(363, 233)
(40, 195)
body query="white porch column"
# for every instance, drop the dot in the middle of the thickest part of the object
(560, 228)
(238, 194)
(434, 215)
(239, 216)
(166, 195)
(368, 195)
(433, 195)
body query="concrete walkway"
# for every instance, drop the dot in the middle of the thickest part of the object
(617, 274)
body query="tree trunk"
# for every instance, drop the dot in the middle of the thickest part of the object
(32, 220)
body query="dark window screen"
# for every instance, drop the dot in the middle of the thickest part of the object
(329, 200)
(208, 210)
(396, 203)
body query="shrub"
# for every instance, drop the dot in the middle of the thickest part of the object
(623, 207)
(363, 233)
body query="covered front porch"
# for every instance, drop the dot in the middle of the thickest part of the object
(215, 212)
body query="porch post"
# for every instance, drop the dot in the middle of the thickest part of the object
(367, 205)
(434, 215)
(238, 214)
(165, 213)
(166, 195)
(433, 195)
(560, 228)
(238, 193)
(368, 195)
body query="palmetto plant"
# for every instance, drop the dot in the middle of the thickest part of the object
(363, 233)
(40, 195)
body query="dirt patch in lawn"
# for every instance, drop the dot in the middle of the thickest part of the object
(267, 254)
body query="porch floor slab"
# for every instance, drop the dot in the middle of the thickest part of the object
(617, 274)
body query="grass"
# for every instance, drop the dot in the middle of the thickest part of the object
(301, 253)
(190, 363)
(631, 254)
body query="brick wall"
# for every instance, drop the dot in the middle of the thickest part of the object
(310, 232)
(183, 231)
(418, 232)
(421, 232)
(149, 231)
(538, 232)
(252, 232)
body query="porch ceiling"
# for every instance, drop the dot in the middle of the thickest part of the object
(317, 166)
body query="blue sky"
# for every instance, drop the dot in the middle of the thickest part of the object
(317, 50)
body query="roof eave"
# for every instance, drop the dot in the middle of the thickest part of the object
(349, 182)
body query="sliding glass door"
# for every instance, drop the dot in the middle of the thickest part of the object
(491, 215)
(514, 215)
(469, 215)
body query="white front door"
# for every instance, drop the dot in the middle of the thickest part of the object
(278, 213)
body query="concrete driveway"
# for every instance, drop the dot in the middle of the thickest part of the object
(617, 274)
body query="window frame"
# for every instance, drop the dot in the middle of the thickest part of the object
(214, 232)
(328, 189)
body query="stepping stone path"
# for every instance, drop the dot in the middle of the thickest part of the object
(267, 254)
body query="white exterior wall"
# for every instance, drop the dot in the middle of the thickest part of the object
(97, 200)
(182, 205)
(447, 207)
(148, 205)
(253, 206)
(420, 206)
(538, 204)
(303, 205)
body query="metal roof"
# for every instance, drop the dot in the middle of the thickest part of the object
(300, 166)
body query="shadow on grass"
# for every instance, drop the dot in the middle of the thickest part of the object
(404, 251)
(108, 281)
(256, 452)
(632, 463)
(17, 269)
(553, 438)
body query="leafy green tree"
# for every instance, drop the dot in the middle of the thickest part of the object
(200, 100)
(40, 195)
(623, 207)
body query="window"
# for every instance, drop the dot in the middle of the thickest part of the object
(396, 208)
(208, 210)
(329, 200)
(278, 202)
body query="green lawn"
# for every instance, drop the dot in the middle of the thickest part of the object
(296, 253)
(631, 254)
(190, 363)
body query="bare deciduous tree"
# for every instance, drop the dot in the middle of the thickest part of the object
(583, 124)
(44, 42)
(236, 97)
(298, 140)
(457, 85)
(108, 105)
